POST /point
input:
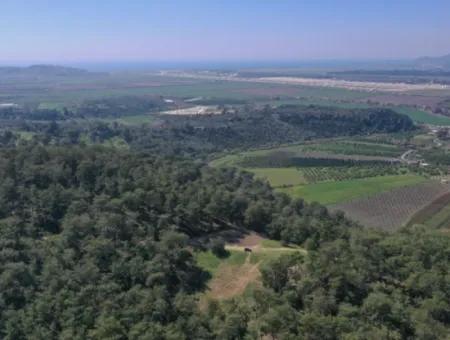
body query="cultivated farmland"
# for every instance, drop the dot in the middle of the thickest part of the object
(279, 177)
(341, 173)
(352, 147)
(392, 209)
(434, 215)
(342, 191)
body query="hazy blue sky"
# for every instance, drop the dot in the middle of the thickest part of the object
(96, 30)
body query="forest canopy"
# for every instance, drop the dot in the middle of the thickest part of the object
(100, 242)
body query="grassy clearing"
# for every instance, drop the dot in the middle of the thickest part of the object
(266, 256)
(342, 191)
(230, 276)
(266, 243)
(116, 142)
(25, 135)
(211, 263)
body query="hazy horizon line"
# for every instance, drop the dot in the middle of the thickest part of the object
(152, 63)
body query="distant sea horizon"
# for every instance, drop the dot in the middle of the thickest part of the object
(119, 66)
(235, 64)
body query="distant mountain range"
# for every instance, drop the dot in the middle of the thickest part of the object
(42, 70)
(442, 62)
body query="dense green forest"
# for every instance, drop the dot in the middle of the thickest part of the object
(249, 127)
(370, 286)
(94, 240)
(95, 108)
(100, 242)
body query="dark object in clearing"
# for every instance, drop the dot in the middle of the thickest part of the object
(248, 250)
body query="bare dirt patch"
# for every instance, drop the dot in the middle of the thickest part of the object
(232, 280)
(250, 240)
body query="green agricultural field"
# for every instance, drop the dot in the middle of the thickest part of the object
(74, 92)
(342, 173)
(351, 147)
(338, 146)
(317, 102)
(299, 176)
(421, 116)
(279, 177)
(342, 191)
(293, 176)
